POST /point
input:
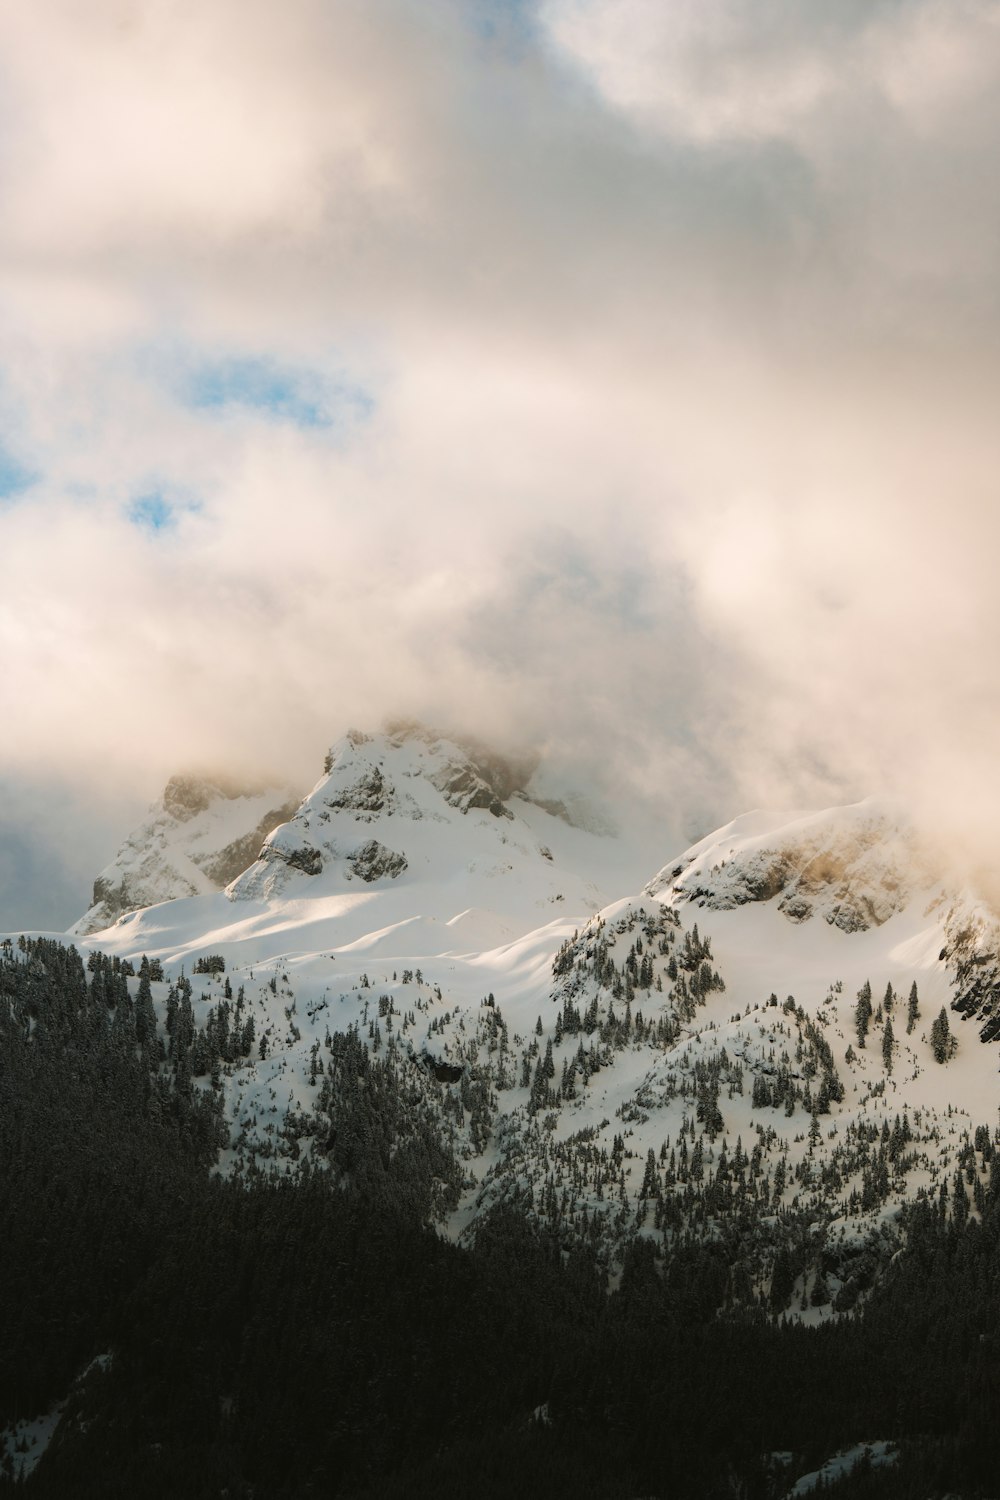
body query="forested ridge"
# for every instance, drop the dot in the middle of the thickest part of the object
(310, 1335)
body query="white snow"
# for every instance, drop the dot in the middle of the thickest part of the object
(878, 1454)
(24, 1443)
(482, 907)
(180, 848)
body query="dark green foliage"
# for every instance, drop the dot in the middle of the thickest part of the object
(942, 1042)
(96, 1154)
(310, 1336)
(888, 1044)
(212, 963)
(912, 1008)
(380, 1145)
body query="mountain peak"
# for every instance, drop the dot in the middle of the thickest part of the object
(439, 803)
(853, 866)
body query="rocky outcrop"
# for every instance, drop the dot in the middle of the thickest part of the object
(368, 795)
(476, 776)
(971, 952)
(463, 786)
(202, 834)
(854, 867)
(241, 853)
(309, 861)
(373, 861)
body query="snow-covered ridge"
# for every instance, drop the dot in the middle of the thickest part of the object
(409, 804)
(624, 1063)
(202, 833)
(853, 866)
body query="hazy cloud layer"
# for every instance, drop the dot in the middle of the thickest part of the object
(615, 376)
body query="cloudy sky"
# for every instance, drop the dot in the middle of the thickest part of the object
(618, 376)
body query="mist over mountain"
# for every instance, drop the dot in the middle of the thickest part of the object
(510, 378)
(593, 401)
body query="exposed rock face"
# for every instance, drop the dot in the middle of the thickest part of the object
(184, 797)
(854, 867)
(237, 856)
(373, 861)
(464, 787)
(972, 953)
(309, 861)
(204, 832)
(108, 902)
(475, 777)
(368, 795)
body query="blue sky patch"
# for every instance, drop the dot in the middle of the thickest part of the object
(494, 19)
(14, 477)
(283, 393)
(156, 511)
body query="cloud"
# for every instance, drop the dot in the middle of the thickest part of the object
(888, 112)
(489, 366)
(783, 69)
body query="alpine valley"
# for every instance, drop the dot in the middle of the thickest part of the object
(422, 1136)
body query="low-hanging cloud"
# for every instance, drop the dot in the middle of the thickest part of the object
(632, 402)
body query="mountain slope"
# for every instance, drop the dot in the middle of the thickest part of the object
(444, 827)
(854, 867)
(744, 1089)
(686, 1060)
(199, 837)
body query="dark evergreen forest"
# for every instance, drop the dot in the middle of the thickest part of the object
(310, 1336)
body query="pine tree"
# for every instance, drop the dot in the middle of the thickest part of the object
(888, 1043)
(145, 1016)
(912, 1008)
(941, 1039)
(863, 1012)
(815, 1134)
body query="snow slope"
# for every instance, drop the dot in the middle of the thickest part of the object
(420, 897)
(853, 866)
(417, 815)
(409, 843)
(200, 835)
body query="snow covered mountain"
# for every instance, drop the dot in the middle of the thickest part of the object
(752, 1080)
(419, 816)
(855, 867)
(197, 838)
(779, 1034)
